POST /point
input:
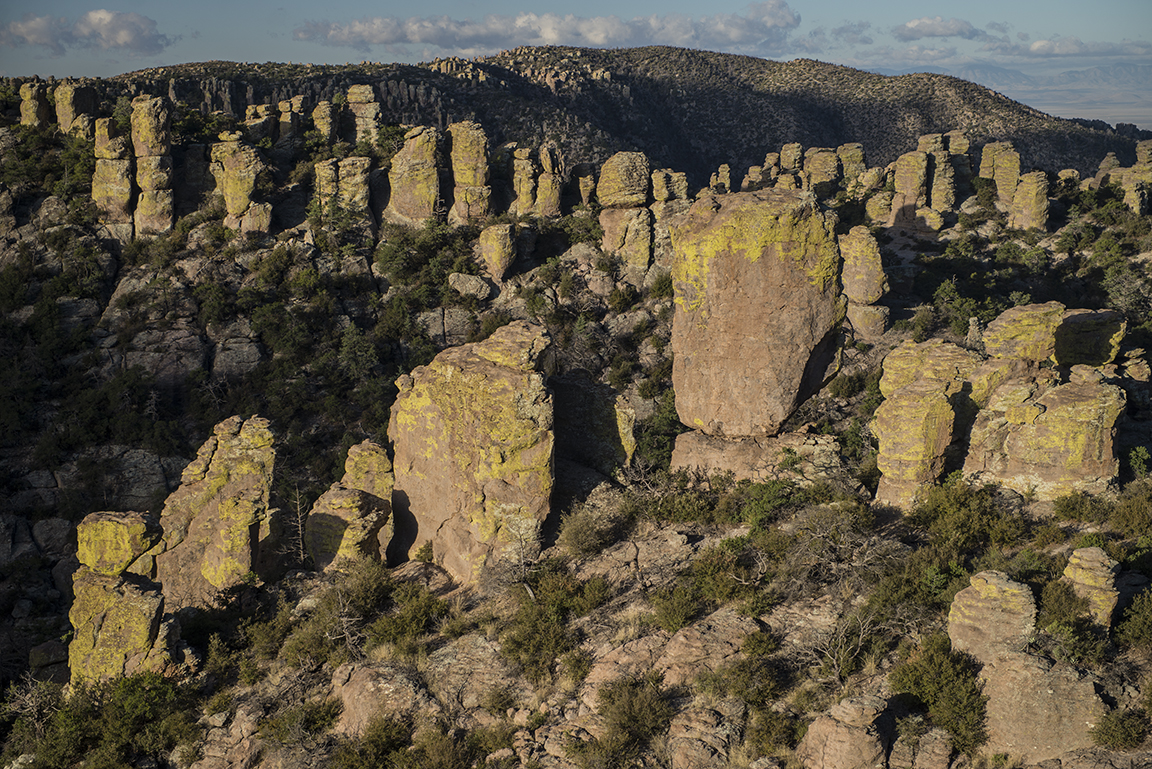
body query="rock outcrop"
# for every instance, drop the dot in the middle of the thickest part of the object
(218, 526)
(764, 260)
(472, 439)
(35, 109)
(472, 196)
(864, 282)
(353, 519)
(238, 170)
(152, 143)
(1092, 575)
(1030, 203)
(624, 180)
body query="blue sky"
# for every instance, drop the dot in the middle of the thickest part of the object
(73, 38)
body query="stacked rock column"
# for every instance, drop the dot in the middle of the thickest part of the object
(623, 191)
(152, 142)
(35, 109)
(113, 190)
(472, 195)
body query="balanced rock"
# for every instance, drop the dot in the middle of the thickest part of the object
(764, 261)
(1000, 162)
(849, 737)
(993, 616)
(851, 160)
(472, 439)
(414, 178)
(469, 154)
(109, 543)
(550, 183)
(110, 143)
(911, 181)
(624, 181)
(822, 170)
(368, 468)
(218, 525)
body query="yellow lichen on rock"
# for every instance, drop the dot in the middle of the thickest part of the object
(913, 427)
(108, 543)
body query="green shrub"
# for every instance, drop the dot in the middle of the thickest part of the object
(1079, 506)
(1132, 513)
(962, 518)
(414, 613)
(634, 711)
(539, 632)
(676, 606)
(582, 532)
(298, 725)
(1059, 603)
(769, 731)
(1120, 730)
(1136, 627)
(109, 725)
(945, 682)
(662, 287)
(384, 741)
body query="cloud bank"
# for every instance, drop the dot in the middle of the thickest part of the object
(760, 28)
(937, 27)
(102, 29)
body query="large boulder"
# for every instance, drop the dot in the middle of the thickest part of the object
(237, 168)
(756, 324)
(72, 101)
(863, 272)
(992, 616)
(347, 525)
(469, 155)
(913, 428)
(1038, 710)
(1030, 203)
(109, 543)
(151, 126)
(472, 439)
(496, 249)
(1092, 575)
(218, 525)
(35, 109)
(628, 234)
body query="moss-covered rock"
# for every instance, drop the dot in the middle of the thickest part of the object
(1092, 574)
(1030, 203)
(151, 126)
(624, 181)
(347, 525)
(414, 179)
(472, 439)
(1027, 332)
(913, 427)
(496, 249)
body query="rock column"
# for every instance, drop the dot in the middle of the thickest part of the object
(152, 142)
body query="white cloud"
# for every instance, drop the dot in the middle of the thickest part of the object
(103, 29)
(937, 27)
(761, 27)
(854, 33)
(1068, 47)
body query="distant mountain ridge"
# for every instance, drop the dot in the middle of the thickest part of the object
(689, 110)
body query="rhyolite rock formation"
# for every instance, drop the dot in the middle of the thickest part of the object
(758, 308)
(848, 737)
(624, 181)
(218, 525)
(472, 440)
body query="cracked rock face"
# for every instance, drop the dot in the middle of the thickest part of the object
(472, 435)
